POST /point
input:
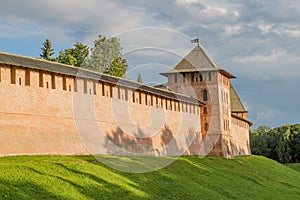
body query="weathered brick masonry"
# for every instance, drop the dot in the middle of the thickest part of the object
(50, 108)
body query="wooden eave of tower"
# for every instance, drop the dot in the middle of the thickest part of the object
(226, 73)
(242, 119)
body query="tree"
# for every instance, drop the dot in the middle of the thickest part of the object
(47, 51)
(139, 78)
(258, 140)
(117, 68)
(74, 56)
(281, 144)
(295, 143)
(66, 57)
(106, 57)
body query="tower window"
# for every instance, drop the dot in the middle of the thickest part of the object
(183, 77)
(201, 78)
(205, 96)
(192, 77)
(175, 78)
(205, 110)
(227, 98)
(209, 76)
(206, 127)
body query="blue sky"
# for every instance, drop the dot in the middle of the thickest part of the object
(256, 40)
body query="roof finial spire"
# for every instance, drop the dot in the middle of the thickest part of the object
(196, 40)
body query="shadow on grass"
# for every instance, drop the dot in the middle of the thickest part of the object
(88, 179)
(89, 185)
(25, 190)
(187, 178)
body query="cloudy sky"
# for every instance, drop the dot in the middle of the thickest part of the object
(256, 40)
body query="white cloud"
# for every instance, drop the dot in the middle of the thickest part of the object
(72, 16)
(233, 30)
(275, 54)
(264, 28)
(284, 31)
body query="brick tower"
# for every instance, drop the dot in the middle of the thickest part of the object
(198, 76)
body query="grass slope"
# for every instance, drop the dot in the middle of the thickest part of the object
(295, 166)
(190, 177)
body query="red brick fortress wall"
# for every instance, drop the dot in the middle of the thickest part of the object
(48, 113)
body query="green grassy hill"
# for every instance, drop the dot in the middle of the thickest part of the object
(295, 166)
(190, 177)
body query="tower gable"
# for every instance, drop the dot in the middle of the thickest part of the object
(197, 58)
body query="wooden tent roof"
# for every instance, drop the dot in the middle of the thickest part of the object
(197, 60)
(235, 102)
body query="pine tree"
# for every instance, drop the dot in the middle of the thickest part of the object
(47, 50)
(139, 78)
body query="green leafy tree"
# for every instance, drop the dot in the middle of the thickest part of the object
(106, 57)
(117, 68)
(67, 58)
(139, 78)
(295, 143)
(281, 144)
(258, 140)
(47, 51)
(74, 56)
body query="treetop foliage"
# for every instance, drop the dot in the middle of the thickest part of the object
(74, 56)
(139, 78)
(104, 57)
(281, 144)
(47, 51)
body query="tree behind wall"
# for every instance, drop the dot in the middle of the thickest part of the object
(106, 57)
(47, 51)
(139, 78)
(74, 56)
